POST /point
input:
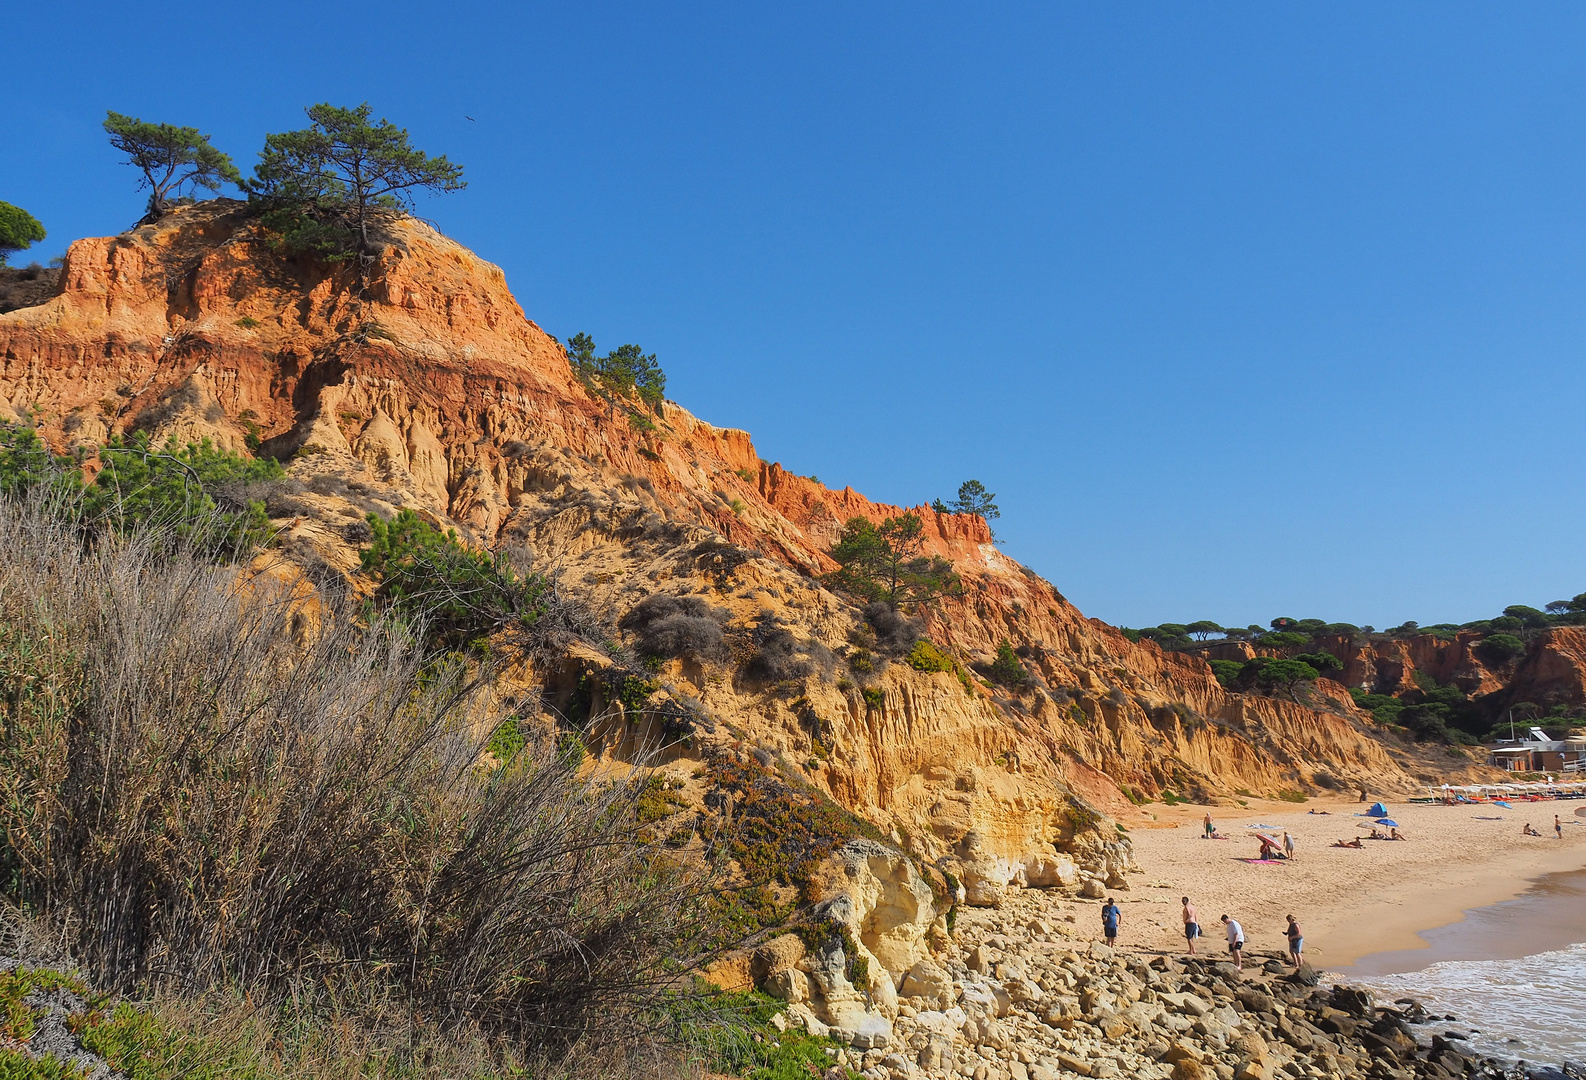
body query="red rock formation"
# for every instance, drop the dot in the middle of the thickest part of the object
(436, 392)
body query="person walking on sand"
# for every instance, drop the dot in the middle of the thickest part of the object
(1296, 942)
(1558, 827)
(1207, 825)
(1192, 926)
(1236, 942)
(1288, 844)
(1109, 921)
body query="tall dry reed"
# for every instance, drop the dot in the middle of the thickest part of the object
(213, 781)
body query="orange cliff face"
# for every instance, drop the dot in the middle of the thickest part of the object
(436, 392)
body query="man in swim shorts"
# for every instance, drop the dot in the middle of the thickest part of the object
(1207, 825)
(1192, 926)
(1236, 942)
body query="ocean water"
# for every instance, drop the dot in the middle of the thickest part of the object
(1530, 1007)
(1516, 971)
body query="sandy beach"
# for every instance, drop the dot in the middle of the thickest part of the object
(1350, 902)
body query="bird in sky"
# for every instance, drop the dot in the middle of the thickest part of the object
(467, 117)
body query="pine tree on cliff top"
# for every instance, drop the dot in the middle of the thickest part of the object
(346, 163)
(170, 158)
(18, 230)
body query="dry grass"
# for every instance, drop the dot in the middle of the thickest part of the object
(213, 788)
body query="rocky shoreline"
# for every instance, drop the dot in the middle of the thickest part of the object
(1015, 995)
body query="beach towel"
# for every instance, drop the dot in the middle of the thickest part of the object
(1264, 862)
(1500, 802)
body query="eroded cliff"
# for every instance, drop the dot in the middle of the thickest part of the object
(435, 392)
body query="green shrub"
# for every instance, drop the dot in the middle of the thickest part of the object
(1226, 671)
(139, 1047)
(1006, 669)
(874, 696)
(1501, 648)
(196, 495)
(458, 595)
(927, 657)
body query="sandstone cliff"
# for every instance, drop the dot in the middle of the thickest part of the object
(436, 392)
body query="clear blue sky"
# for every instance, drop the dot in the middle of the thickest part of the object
(1242, 310)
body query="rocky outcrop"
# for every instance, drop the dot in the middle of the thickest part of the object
(1019, 995)
(435, 392)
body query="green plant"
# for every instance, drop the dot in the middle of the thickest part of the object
(1501, 648)
(16, 1065)
(748, 476)
(196, 791)
(973, 498)
(925, 656)
(170, 158)
(507, 740)
(656, 801)
(247, 322)
(780, 830)
(337, 174)
(1292, 796)
(1006, 669)
(1226, 671)
(195, 494)
(887, 562)
(734, 1035)
(624, 371)
(459, 596)
(140, 1047)
(738, 506)
(874, 696)
(19, 230)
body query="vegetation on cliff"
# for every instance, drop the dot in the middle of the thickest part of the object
(19, 230)
(887, 562)
(169, 159)
(213, 786)
(625, 371)
(194, 495)
(323, 186)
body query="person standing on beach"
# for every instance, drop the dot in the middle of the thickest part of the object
(1558, 827)
(1236, 942)
(1109, 921)
(1296, 942)
(1208, 825)
(1288, 845)
(1192, 926)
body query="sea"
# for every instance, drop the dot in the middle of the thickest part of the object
(1513, 974)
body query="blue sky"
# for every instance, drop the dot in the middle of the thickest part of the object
(1242, 310)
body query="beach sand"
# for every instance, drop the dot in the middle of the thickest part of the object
(1349, 903)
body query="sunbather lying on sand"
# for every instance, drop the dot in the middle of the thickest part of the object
(1349, 843)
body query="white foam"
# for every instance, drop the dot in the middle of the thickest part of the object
(1532, 1008)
